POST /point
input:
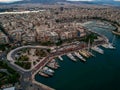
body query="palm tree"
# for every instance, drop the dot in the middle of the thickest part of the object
(90, 37)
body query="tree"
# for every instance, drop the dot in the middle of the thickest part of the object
(90, 38)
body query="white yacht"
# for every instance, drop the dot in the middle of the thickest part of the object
(97, 49)
(108, 46)
(60, 58)
(79, 56)
(48, 69)
(71, 57)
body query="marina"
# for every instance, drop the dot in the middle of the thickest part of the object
(89, 74)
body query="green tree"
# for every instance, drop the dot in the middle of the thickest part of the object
(90, 37)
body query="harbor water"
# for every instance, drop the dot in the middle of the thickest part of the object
(101, 72)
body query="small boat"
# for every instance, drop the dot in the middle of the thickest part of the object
(97, 49)
(48, 69)
(79, 56)
(60, 58)
(47, 72)
(71, 57)
(109, 46)
(43, 74)
(90, 53)
(83, 53)
(53, 64)
(87, 53)
(116, 33)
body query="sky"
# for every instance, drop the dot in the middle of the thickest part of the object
(9, 1)
(93, 0)
(80, 0)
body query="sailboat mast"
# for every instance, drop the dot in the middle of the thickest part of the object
(113, 40)
(88, 44)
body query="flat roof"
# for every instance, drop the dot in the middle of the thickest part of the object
(11, 88)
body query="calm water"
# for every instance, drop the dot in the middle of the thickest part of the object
(98, 73)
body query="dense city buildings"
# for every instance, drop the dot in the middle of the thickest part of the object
(53, 24)
(32, 37)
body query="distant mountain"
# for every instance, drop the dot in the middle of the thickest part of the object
(111, 3)
(94, 2)
(35, 1)
(40, 1)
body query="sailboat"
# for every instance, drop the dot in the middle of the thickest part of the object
(88, 51)
(109, 45)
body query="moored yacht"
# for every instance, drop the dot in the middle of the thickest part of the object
(109, 46)
(83, 53)
(48, 69)
(60, 58)
(71, 57)
(43, 74)
(79, 56)
(97, 49)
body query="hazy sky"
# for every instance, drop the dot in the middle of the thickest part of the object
(8, 1)
(80, 0)
(93, 0)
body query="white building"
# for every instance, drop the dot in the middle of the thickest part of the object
(11, 88)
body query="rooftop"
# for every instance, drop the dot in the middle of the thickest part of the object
(11, 88)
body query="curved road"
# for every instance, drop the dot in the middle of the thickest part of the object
(25, 74)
